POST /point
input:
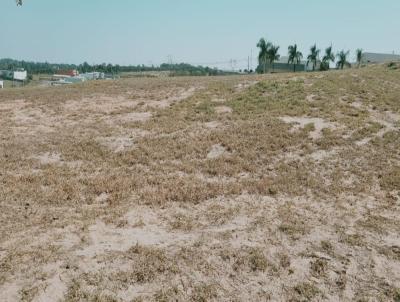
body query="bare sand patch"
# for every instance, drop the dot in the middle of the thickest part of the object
(54, 290)
(101, 104)
(223, 110)
(133, 117)
(10, 292)
(33, 121)
(218, 100)
(213, 125)
(55, 158)
(311, 97)
(243, 86)
(117, 144)
(13, 105)
(49, 158)
(321, 155)
(216, 151)
(102, 198)
(107, 238)
(175, 97)
(123, 140)
(301, 122)
(358, 104)
(389, 120)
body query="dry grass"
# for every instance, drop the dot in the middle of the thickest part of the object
(256, 188)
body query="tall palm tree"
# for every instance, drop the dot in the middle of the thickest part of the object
(360, 54)
(313, 56)
(273, 55)
(263, 54)
(328, 57)
(295, 56)
(342, 59)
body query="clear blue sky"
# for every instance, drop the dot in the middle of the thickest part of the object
(194, 31)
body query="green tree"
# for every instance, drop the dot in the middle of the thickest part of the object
(328, 57)
(359, 54)
(263, 55)
(342, 59)
(295, 56)
(273, 55)
(313, 56)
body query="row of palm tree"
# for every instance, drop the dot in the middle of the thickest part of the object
(295, 56)
(269, 55)
(313, 56)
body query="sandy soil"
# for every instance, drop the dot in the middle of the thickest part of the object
(261, 188)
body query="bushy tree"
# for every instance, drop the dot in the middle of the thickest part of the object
(263, 55)
(273, 55)
(295, 56)
(328, 57)
(359, 54)
(342, 59)
(313, 56)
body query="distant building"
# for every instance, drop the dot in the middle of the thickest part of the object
(18, 75)
(93, 75)
(1, 84)
(66, 77)
(282, 65)
(74, 80)
(375, 58)
(68, 80)
(67, 73)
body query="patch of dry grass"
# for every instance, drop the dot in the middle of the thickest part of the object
(279, 187)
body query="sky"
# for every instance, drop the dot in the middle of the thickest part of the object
(218, 33)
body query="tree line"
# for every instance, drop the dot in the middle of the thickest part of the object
(269, 54)
(50, 68)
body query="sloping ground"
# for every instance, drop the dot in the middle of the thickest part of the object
(281, 188)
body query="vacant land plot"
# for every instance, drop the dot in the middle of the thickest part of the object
(275, 188)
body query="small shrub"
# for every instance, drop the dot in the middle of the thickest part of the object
(319, 268)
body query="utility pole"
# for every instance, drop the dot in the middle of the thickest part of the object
(169, 59)
(251, 59)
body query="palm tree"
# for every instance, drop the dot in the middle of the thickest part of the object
(313, 56)
(273, 55)
(263, 55)
(295, 56)
(328, 57)
(342, 59)
(360, 54)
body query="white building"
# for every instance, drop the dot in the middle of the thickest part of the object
(1, 84)
(93, 75)
(20, 75)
